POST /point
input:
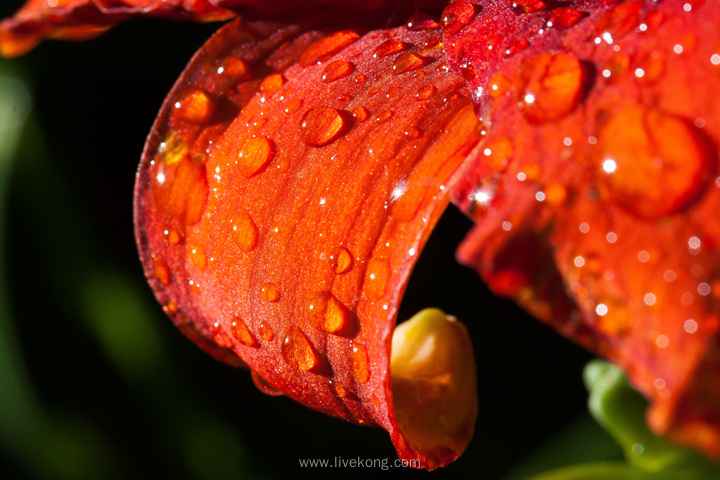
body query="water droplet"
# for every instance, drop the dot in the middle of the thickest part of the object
(456, 16)
(298, 352)
(384, 115)
(162, 272)
(407, 62)
(197, 256)
(254, 155)
(361, 366)
(555, 194)
(619, 20)
(344, 98)
(242, 334)
(195, 107)
(342, 261)
(321, 125)
(292, 105)
(425, 92)
(389, 47)
(266, 331)
(337, 70)
(360, 78)
(516, 47)
(264, 386)
(378, 273)
(339, 390)
(244, 232)
(564, 17)
(219, 335)
(271, 84)
(360, 113)
(551, 86)
(329, 314)
(528, 6)
(421, 21)
(327, 47)
(173, 237)
(663, 163)
(413, 133)
(269, 292)
(235, 68)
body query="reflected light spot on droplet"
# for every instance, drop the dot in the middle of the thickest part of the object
(579, 261)
(669, 276)
(662, 341)
(584, 227)
(691, 326)
(609, 165)
(529, 98)
(643, 256)
(611, 237)
(601, 309)
(704, 289)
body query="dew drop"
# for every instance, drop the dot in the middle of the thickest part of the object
(327, 47)
(244, 232)
(661, 161)
(361, 366)
(220, 336)
(254, 155)
(321, 125)
(360, 114)
(360, 78)
(235, 68)
(197, 256)
(378, 273)
(173, 237)
(271, 84)
(298, 352)
(407, 62)
(528, 6)
(269, 292)
(384, 115)
(339, 390)
(195, 107)
(336, 70)
(564, 17)
(425, 92)
(389, 47)
(551, 86)
(421, 21)
(413, 133)
(264, 386)
(266, 331)
(329, 314)
(162, 272)
(456, 16)
(292, 105)
(242, 334)
(342, 261)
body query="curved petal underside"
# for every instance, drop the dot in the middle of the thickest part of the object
(285, 192)
(596, 188)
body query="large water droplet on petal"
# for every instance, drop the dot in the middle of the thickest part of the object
(337, 70)
(329, 314)
(242, 334)
(298, 352)
(197, 256)
(653, 163)
(195, 107)
(327, 47)
(264, 386)
(389, 47)
(244, 232)
(456, 16)
(407, 62)
(551, 86)
(254, 155)
(321, 125)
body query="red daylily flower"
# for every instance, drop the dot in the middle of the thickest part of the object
(300, 162)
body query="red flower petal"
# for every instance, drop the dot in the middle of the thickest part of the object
(285, 192)
(599, 172)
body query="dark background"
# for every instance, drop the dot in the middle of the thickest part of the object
(95, 382)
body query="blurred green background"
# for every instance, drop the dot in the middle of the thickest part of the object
(95, 382)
